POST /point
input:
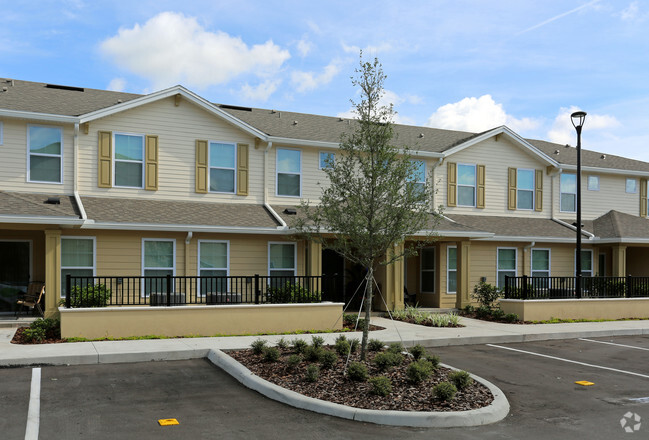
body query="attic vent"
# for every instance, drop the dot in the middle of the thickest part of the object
(58, 87)
(567, 145)
(603, 156)
(341, 119)
(234, 107)
(421, 135)
(294, 122)
(556, 151)
(4, 89)
(290, 211)
(53, 201)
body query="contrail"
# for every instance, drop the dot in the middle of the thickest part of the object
(556, 17)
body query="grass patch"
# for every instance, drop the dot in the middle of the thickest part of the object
(569, 321)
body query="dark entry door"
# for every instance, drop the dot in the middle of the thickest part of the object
(14, 272)
(333, 270)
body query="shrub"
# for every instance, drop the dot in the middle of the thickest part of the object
(353, 345)
(444, 391)
(385, 361)
(34, 334)
(461, 379)
(258, 346)
(497, 314)
(486, 294)
(317, 341)
(342, 347)
(482, 312)
(328, 359)
(49, 327)
(419, 371)
(299, 345)
(357, 371)
(511, 317)
(313, 354)
(375, 345)
(312, 373)
(341, 338)
(291, 293)
(469, 309)
(293, 361)
(349, 319)
(381, 385)
(417, 351)
(92, 295)
(282, 343)
(396, 347)
(434, 360)
(271, 354)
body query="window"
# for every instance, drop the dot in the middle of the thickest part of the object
(586, 263)
(506, 265)
(568, 189)
(222, 167)
(129, 160)
(540, 263)
(158, 260)
(631, 186)
(45, 154)
(451, 269)
(281, 259)
(289, 169)
(77, 259)
(428, 270)
(525, 189)
(213, 262)
(418, 177)
(327, 160)
(593, 183)
(466, 185)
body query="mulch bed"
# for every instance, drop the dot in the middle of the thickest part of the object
(333, 386)
(425, 323)
(19, 339)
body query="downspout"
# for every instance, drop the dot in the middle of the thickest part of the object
(266, 205)
(75, 165)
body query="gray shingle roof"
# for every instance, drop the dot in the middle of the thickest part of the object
(510, 226)
(28, 204)
(615, 224)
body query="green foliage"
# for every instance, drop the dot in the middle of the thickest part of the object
(434, 360)
(271, 354)
(444, 391)
(293, 361)
(342, 347)
(375, 345)
(468, 309)
(282, 343)
(313, 354)
(384, 361)
(497, 314)
(396, 347)
(461, 379)
(92, 295)
(357, 371)
(299, 345)
(381, 385)
(482, 312)
(312, 373)
(353, 345)
(349, 319)
(417, 351)
(486, 294)
(291, 293)
(419, 371)
(511, 317)
(34, 335)
(258, 346)
(328, 359)
(421, 317)
(42, 329)
(317, 341)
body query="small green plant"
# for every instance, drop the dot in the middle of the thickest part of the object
(444, 391)
(497, 314)
(313, 354)
(417, 351)
(349, 320)
(396, 347)
(42, 329)
(381, 385)
(258, 346)
(341, 338)
(34, 334)
(92, 295)
(312, 373)
(486, 294)
(282, 343)
(293, 361)
(385, 361)
(419, 371)
(271, 354)
(328, 359)
(299, 345)
(375, 345)
(434, 360)
(353, 345)
(461, 379)
(511, 317)
(291, 293)
(357, 371)
(469, 309)
(317, 341)
(482, 312)
(342, 347)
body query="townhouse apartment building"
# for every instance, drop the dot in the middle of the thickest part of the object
(105, 183)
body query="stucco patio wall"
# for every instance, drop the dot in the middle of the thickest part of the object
(601, 308)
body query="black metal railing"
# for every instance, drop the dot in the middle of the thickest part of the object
(564, 287)
(101, 291)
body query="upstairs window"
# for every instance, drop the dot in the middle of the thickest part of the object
(418, 177)
(45, 146)
(327, 160)
(593, 183)
(222, 167)
(568, 189)
(524, 189)
(466, 176)
(289, 172)
(129, 160)
(631, 186)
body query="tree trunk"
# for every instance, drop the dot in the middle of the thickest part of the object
(369, 279)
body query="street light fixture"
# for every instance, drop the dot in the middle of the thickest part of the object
(578, 119)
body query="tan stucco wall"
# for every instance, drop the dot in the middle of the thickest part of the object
(199, 320)
(609, 308)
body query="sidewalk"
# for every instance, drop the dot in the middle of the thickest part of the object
(474, 332)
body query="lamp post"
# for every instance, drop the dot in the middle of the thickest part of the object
(578, 119)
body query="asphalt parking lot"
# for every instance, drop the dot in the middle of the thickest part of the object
(125, 401)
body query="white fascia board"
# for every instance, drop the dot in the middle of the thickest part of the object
(585, 240)
(634, 240)
(454, 234)
(166, 93)
(508, 132)
(599, 170)
(40, 220)
(38, 116)
(181, 228)
(281, 141)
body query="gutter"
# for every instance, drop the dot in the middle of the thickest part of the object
(276, 216)
(178, 228)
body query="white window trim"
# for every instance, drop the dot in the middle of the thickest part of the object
(294, 256)
(560, 193)
(277, 173)
(94, 255)
(448, 254)
(474, 186)
(141, 162)
(529, 190)
(143, 268)
(588, 183)
(506, 270)
(532, 260)
(592, 268)
(210, 167)
(320, 153)
(30, 154)
(422, 270)
(626, 185)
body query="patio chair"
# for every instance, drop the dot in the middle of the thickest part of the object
(33, 297)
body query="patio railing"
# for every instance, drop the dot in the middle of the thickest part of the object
(100, 291)
(564, 287)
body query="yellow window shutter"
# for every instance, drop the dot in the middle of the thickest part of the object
(538, 190)
(201, 166)
(511, 199)
(242, 169)
(643, 197)
(451, 177)
(480, 196)
(105, 160)
(151, 163)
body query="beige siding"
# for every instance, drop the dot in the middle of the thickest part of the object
(13, 170)
(177, 129)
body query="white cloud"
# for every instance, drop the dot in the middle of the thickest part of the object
(117, 84)
(261, 92)
(171, 48)
(563, 132)
(304, 46)
(306, 81)
(633, 13)
(371, 50)
(477, 115)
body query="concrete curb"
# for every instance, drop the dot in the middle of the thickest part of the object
(492, 413)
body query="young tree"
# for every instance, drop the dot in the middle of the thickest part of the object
(372, 201)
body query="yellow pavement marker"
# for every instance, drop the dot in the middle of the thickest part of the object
(168, 422)
(584, 383)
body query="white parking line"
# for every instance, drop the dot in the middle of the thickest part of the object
(34, 411)
(613, 343)
(570, 361)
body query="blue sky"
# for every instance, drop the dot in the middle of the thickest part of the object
(462, 64)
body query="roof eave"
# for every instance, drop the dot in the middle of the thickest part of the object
(182, 228)
(38, 116)
(605, 170)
